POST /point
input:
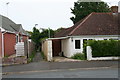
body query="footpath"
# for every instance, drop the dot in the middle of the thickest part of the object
(38, 57)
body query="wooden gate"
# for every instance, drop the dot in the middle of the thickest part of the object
(56, 46)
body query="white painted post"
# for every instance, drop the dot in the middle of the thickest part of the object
(49, 50)
(89, 53)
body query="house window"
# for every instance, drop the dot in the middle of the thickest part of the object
(21, 38)
(105, 39)
(90, 39)
(16, 39)
(77, 44)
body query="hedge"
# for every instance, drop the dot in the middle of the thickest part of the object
(84, 48)
(105, 48)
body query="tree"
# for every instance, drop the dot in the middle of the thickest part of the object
(82, 9)
(59, 29)
(36, 37)
(29, 33)
(45, 33)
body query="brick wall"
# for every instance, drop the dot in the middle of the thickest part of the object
(24, 38)
(9, 43)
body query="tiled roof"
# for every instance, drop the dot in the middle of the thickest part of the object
(94, 24)
(66, 31)
(9, 25)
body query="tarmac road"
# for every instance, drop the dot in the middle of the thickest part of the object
(81, 69)
(58, 65)
(105, 72)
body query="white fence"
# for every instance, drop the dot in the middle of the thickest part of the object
(25, 48)
(89, 56)
(20, 49)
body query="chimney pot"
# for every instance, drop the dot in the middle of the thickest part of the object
(114, 9)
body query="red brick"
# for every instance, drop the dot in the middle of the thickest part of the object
(24, 38)
(9, 43)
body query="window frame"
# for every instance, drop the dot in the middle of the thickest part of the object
(76, 46)
(17, 38)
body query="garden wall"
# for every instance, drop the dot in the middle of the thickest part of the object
(47, 49)
(103, 50)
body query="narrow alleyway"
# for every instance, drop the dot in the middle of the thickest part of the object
(38, 57)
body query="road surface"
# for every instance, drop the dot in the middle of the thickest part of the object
(104, 72)
(82, 69)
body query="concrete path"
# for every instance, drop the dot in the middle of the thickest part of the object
(63, 59)
(38, 57)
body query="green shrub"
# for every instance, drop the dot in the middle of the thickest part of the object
(84, 48)
(30, 59)
(43, 56)
(79, 56)
(6, 56)
(105, 48)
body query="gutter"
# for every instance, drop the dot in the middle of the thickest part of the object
(58, 38)
(96, 36)
(83, 36)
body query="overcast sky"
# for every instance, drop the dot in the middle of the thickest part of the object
(45, 13)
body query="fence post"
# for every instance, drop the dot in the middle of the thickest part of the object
(89, 53)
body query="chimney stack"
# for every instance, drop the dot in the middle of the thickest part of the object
(114, 9)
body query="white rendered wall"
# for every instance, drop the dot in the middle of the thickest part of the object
(68, 45)
(89, 56)
(47, 49)
(74, 51)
